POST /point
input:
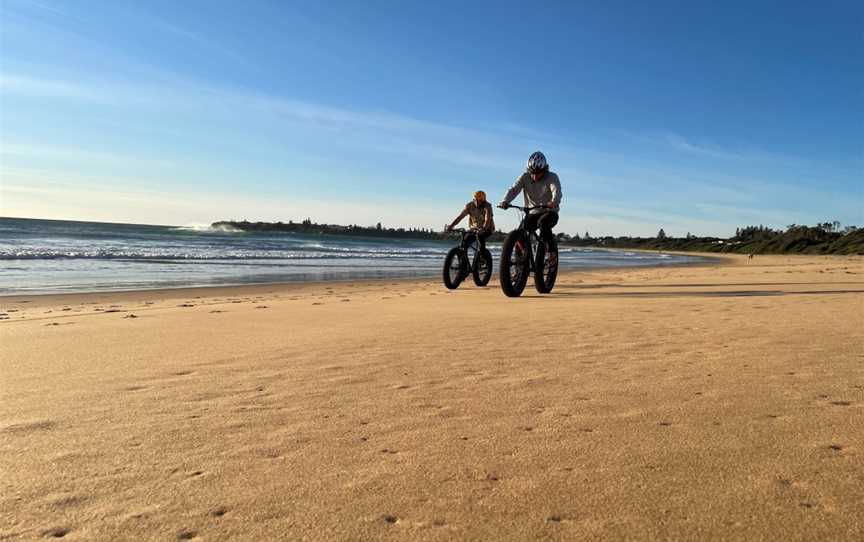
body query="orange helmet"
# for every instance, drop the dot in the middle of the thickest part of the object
(480, 195)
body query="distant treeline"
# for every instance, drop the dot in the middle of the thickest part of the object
(309, 227)
(824, 238)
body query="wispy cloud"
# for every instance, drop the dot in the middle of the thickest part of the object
(49, 88)
(33, 193)
(385, 131)
(44, 6)
(197, 38)
(70, 154)
(679, 143)
(681, 199)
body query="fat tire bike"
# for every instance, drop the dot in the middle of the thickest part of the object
(467, 259)
(524, 253)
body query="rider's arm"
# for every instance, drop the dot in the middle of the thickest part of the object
(555, 187)
(487, 218)
(514, 190)
(459, 218)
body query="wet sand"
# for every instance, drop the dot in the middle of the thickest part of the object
(712, 402)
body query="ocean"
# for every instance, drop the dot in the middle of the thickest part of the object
(53, 256)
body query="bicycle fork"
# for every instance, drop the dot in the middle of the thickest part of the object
(525, 248)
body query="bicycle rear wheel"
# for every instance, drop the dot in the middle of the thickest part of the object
(482, 270)
(454, 268)
(547, 265)
(515, 266)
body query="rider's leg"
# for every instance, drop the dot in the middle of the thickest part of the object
(531, 221)
(482, 236)
(467, 239)
(547, 221)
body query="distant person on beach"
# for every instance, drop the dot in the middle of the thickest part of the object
(480, 223)
(539, 187)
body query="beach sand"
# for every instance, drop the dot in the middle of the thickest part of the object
(713, 402)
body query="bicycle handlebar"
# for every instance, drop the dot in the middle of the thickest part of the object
(526, 209)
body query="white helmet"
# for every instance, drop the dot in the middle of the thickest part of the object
(537, 163)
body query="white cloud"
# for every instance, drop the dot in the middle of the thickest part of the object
(489, 151)
(38, 87)
(679, 143)
(53, 194)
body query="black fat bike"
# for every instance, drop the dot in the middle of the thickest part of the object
(467, 258)
(524, 253)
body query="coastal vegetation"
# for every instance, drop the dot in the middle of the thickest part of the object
(823, 238)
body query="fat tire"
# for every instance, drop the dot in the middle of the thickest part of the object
(507, 286)
(482, 280)
(543, 284)
(455, 252)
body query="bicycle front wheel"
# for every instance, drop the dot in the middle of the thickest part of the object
(547, 265)
(454, 269)
(515, 266)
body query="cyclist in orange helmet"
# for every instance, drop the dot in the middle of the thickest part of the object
(480, 222)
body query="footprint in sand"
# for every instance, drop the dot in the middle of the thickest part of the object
(29, 427)
(316, 303)
(187, 535)
(68, 501)
(219, 512)
(56, 532)
(186, 305)
(262, 307)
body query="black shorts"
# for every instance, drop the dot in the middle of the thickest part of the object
(481, 236)
(545, 220)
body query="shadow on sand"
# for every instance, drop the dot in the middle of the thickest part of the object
(561, 291)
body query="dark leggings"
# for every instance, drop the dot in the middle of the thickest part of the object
(469, 236)
(545, 220)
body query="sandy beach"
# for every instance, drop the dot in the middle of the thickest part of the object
(706, 402)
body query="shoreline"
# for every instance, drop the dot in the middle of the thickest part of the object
(708, 260)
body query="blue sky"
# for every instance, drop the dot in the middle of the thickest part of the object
(679, 115)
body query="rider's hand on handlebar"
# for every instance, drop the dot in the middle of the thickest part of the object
(448, 227)
(503, 205)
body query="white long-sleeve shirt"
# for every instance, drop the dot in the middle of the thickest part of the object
(546, 191)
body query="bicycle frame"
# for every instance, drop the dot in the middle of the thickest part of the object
(472, 249)
(531, 235)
